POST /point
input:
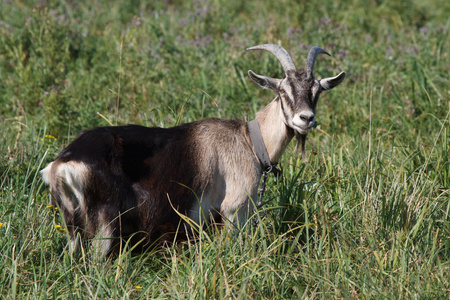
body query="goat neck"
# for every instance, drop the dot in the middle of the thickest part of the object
(276, 135)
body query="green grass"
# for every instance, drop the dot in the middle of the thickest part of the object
(366, 217)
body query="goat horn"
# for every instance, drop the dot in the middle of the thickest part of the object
(311, 60)
(281, 54)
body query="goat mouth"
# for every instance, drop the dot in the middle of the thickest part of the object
(303, 130)
(303, 127)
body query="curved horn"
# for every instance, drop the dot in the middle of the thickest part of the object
(281, 54)
(311, 60)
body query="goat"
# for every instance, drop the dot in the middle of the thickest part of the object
(131, 183)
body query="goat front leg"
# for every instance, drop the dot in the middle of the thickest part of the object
(236, 209)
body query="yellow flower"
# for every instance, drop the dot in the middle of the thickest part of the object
(50, 206)
(138, 287)
(50, 136)
(1, 224)
(58, 227)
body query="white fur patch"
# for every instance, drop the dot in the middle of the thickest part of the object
(45, 173)
(74, 176)
(101, 244)
(69, 181)
(303, 126)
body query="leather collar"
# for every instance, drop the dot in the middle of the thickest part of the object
(260, 149)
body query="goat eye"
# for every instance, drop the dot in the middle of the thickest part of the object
(282, 92)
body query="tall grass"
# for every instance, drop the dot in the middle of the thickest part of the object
(366, 217)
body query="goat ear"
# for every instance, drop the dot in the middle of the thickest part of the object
(332, 82)
(264, 82)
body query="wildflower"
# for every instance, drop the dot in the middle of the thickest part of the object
(58, 227)
(324, 22)
(138, 287)
(50, 206)
(1, 224)
(424, 30)
(50, 136)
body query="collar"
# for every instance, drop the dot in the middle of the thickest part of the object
(260, 149)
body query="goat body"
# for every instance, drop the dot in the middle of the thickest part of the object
(127, 181)
(131, 183)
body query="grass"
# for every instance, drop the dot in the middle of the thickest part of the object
(366, 217)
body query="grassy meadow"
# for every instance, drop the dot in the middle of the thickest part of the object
(367, 217)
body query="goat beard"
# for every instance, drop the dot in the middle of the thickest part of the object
(300, 138)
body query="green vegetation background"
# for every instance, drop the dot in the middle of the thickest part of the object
(366, 217)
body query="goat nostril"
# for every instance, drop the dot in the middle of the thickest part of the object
(307, 118)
